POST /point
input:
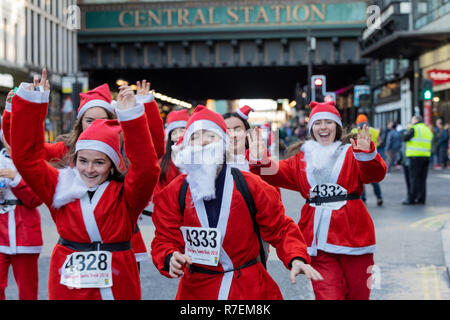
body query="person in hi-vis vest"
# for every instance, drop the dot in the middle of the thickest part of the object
(418, 151)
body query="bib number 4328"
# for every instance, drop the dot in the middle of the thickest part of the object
(90, 269)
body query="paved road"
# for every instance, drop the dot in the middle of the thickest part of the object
(409, 261)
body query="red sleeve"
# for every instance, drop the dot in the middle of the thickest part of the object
(6, 126)
(55, 151)
(279, 174)
(26, 195)
(143, 172)
(27, 151)
(168, 221)
(276, 228)
(372, 167)
(156, 126)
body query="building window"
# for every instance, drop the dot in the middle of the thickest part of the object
(16, 42)
(5, 38)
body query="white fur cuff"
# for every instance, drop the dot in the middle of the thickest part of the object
(32, 96)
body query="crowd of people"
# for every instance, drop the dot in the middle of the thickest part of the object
(208, 181)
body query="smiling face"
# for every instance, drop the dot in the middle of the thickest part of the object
(94, 167)
(324, 131)
(93, 114)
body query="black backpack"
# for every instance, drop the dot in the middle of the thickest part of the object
(242, 187)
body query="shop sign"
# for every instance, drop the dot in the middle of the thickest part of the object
(439, 76)
(6, 80)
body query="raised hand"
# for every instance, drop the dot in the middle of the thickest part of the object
(363, 140)
(143, 88)
(41, 83)
(126, 98)
(9, 96)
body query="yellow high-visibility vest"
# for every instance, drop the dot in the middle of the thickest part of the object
(420, 143)
(374, 132)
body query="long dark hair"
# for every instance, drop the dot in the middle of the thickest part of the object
(245, 122)
(165, 160)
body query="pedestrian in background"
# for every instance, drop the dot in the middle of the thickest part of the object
(361, 121)
(393, 145)
(418, 139)
(329, 172)
(442, 134)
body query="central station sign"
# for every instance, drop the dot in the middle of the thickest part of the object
(164, 16)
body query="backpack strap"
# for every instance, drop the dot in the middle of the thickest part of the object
(242, 187)
(182, 196)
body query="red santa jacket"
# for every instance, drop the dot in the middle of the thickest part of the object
(348, 230)
(56, 151)
(171, 173)
(20, 225)
(111, 215)
(239, 241)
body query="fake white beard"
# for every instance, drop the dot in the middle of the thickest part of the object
(319, 157)
(200, 164)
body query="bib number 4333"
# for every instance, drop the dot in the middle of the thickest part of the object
(202, 244)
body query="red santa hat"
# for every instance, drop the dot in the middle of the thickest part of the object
(97, 97)
(104, 136)
(176, 119)
(324, 110)
(244, 112)
(204, 119)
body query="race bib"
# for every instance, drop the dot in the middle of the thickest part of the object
(91, 269)
(202, 245)
(325, 190)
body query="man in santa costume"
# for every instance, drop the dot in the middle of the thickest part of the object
(330, 174)
(212, 243)
(20, 229)
(94, 206)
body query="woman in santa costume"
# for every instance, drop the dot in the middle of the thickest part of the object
(95, 208)
(330, 173)
(20, 230)
(98, 104)
(237, 128)
(211, 245)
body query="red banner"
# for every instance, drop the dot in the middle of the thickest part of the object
(439, 76)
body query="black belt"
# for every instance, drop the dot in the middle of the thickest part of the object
(320, 200)
(11, 202)
(194, 268)
(95, 246)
